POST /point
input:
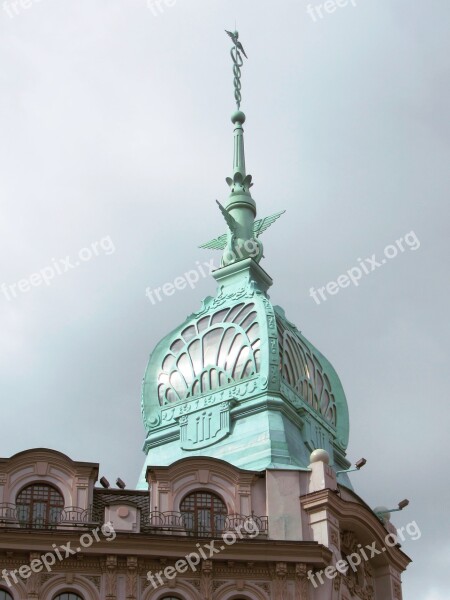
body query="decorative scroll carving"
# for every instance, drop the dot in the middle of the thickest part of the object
(360, 582)
(280, 581)
(110, 569)
(132, 576)
(301, 582)
(206, 584)
(348, 541)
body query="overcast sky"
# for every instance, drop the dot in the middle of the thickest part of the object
(115, 130)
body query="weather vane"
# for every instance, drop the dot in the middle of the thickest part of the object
(237, 64)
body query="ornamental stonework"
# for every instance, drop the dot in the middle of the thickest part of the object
(217, 584)
(94, 579)
(264, 586)
(132, 577)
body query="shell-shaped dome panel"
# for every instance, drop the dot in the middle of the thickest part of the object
(301, 369)
(216, 350)
(310, 376)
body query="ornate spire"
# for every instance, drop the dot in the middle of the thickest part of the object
(238, 117)
(241, 242)
(240, 209)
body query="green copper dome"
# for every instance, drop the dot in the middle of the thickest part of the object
(239, 344)
(237, 381)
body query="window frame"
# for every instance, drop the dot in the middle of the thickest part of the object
(28, 512)
(204, 518)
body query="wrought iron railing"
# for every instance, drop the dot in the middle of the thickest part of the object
(244, 526)
(170, 522)
(12, 515)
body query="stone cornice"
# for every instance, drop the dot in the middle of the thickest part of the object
(151, 547)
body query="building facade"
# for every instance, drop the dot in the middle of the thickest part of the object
(244, 493)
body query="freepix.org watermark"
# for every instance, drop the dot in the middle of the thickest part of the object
(59, 553)
(365, 267)
(365, 553)
(58, 267)
(192, 277)
(204, 552)
(157, 7)
(15, 7)
(327, 8)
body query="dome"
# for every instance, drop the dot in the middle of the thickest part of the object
(241, 350)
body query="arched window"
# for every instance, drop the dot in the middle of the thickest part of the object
(5, 595)
(39, 506)
(204, 513)
(68, 596)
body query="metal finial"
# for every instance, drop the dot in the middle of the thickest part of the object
(237, 64)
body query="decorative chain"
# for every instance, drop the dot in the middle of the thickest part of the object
(238, 62)
(236, 56)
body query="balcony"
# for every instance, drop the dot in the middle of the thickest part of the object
(157, 523)
(15, 516)
(177, 523)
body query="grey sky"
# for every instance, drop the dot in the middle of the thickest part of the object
(115, 122)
